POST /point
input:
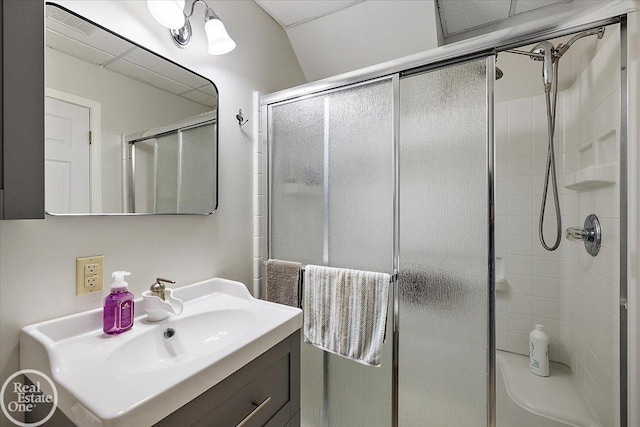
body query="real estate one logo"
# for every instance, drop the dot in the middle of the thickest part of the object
(30, 400)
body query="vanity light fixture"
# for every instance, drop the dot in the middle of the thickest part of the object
(218, 39)
(169, 13)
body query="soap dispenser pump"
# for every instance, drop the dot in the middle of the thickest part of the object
(118, 306)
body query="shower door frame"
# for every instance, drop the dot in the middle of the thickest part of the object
(483, 46)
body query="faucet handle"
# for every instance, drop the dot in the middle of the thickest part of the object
(159, 287)
(590, 234)
(576, 233)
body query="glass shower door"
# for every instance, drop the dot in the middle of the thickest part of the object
(197, 176)
(331, 203)
(444, 248)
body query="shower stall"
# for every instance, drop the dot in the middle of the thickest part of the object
(171, 169)
(405, 169)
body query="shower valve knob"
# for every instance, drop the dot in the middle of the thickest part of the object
(590, 233)
(579, 233)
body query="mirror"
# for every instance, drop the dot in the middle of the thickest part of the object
(126, 131)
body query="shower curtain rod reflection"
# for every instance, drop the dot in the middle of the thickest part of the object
(172, 131)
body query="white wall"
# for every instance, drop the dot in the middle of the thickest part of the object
(37, 257)
(366, 34)
(575, 296)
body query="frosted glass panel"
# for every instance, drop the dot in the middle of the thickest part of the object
(297, 181)
(332, 203)
(297, 217)
(197, 178)
(443, 248)
(360, 126)
(166, 174)
(144, 177)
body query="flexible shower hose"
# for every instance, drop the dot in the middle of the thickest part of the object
(551, 164)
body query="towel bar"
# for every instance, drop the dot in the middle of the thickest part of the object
(394, 276)
(393, 279)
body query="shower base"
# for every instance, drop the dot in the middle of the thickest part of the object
(527, 400)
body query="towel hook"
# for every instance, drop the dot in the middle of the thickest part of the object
(240, 118)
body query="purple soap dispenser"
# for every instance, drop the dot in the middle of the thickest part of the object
(118, 306)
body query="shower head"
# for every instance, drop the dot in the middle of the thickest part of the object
(544, 52)
(499, 73)
(563, 47)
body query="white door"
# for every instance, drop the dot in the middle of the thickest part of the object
(67, 179)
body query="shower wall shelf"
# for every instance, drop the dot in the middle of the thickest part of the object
(501, 281)
(598, 166)
(591, 177)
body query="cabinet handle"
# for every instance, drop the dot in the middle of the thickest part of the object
(259, 406)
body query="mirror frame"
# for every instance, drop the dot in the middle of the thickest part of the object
(22, 110)
(217, 141)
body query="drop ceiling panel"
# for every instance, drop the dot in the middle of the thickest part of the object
(200, 98)
(151, 61)
(143, 75)
(108, 43)
(527, 5)
(289, 13)
(74, 48)
(95, 37)
(70, 21)
(208, 89)
(458, 16)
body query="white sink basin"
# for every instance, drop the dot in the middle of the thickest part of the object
(140, 376)
(196, 336)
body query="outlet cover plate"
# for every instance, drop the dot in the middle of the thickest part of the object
(83, 273)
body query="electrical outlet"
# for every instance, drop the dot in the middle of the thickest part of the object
(90, 281)
(89, 274)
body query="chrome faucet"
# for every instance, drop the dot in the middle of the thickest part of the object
(159, 301)
(159, 287)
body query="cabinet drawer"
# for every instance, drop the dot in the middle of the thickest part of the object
(274, 375)
(256, 402)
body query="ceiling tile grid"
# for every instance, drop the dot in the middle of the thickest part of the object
(458, 16)
(72, 36)
(289, 13)
(528, 5)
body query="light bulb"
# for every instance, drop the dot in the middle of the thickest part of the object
(169, 13)
(218, 38)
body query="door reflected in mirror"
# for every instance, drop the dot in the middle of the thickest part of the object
(126, 131)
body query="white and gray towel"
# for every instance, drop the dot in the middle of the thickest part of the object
(283, 282)
(345, 312)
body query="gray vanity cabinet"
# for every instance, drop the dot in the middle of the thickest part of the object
(265, 392)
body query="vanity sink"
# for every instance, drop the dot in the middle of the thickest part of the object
(185, 340)
(141, 376)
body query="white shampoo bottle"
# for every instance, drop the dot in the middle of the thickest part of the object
(539, 352)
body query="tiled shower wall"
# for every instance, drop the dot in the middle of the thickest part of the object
(532, 274)
(575, 296)
(590, 285)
